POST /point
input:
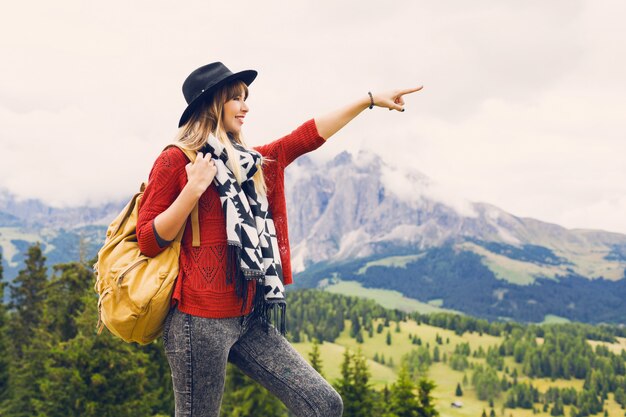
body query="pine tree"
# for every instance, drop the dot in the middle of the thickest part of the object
(355, 327)
(344, 384)
(85, 375)
(315, 358)
(403, 401)
(26, 358)
(557, 409)
(492, 413)
(425, 388)
(388, 338)
(65, 298)
(27, 295)
(353, 386)
(362, 390)
(436, 354)
(459, 391)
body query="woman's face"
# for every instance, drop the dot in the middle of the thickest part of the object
(234, 112)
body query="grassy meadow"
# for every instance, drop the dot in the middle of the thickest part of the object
(387, 298)
(444, 377)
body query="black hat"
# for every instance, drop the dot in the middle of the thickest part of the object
(204, 81)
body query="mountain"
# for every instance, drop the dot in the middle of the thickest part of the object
(357, 218)
(66, 234)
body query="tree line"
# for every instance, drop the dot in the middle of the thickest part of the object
(52, 362)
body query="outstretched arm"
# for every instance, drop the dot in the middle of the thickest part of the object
(331, 123)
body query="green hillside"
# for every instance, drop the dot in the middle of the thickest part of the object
(482, 279)
(445, 378)
(53, 363)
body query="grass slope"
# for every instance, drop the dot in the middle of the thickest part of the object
(445, 377)
(387, 298)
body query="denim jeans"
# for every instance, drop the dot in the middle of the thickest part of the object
(198, 349)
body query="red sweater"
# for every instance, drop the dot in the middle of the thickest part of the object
(201, 287)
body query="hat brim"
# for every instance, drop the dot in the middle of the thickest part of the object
(246, 76)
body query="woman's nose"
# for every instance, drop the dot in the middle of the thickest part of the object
(245, 107)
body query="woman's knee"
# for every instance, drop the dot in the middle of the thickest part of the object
(334, 404)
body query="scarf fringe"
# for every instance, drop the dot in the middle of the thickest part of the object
(270, 312)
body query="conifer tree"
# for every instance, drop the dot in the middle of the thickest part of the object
(344, 384)
(361, 385)
(353, 386)
(425, 388)
(355, 327)
(403, 401)
(65, 298)
(314, 357)
(388, 340)
(91, 375)
(557, 409)
(459, 391)
(27, 295)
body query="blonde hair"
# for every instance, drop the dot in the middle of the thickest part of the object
(207, 119)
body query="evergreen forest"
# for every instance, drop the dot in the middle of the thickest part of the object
(385, 362)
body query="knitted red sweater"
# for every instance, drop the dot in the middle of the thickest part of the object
(201, 287)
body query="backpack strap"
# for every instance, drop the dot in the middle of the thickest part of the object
(195, 222)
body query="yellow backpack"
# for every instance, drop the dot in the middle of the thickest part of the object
(135, 290)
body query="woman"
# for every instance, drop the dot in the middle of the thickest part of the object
(231, 279)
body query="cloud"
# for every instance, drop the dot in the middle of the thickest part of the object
(522, 107)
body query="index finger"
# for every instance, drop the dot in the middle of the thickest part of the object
(411, 90)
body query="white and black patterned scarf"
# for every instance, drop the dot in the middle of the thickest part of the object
(252, 245)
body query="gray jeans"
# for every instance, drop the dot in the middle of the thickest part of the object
(198, 348)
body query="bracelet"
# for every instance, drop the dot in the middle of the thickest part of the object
(371, 99)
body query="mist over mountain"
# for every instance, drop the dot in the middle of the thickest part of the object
(358, 206)
(359, 218)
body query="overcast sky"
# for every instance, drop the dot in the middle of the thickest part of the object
(523, 106)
